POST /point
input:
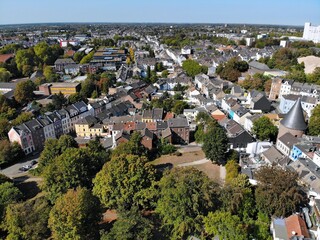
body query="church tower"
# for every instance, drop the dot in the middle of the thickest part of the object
(294, 121)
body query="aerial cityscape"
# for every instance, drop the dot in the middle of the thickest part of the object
(183, 120)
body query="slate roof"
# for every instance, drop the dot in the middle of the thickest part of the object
(288, 140)
(295, 118)
(258, 65)
(178, 122)
(64, 61)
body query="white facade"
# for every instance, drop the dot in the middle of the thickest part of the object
(311, 33)
(316, 158)
(285, 88)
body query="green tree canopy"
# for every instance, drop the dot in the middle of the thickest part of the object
(5, 75)
(23, 92)
(225, 225)
(130, 225)
(276, 183)
(21, 118)
(75, 216)
(264, 129)
(314, 122)
(193, 68)
(215, 145)
(185, 195)
(232, 170)
(8, 194)
(28, 220)
(9, 152)
(87, 58)
(54, 148)
(237, 197)
(69, 170)
(121, 179)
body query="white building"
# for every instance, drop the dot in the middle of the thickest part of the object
(311, 33)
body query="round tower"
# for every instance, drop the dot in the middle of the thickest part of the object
(294, 121)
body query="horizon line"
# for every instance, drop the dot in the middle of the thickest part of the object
(177, 23)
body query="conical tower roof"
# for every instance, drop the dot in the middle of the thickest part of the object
(295, 118)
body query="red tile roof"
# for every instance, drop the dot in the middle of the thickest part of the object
(296, 225)
(6, 57)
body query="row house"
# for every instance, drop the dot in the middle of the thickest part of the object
(96, 107)
(76, 111)
(22, 135)
(280, 87)
(89, 126)
(32, 134)
(239, 113)
(307, 103)
(153, 115)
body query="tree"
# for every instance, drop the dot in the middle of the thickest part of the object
(9, 152)
(23, 117)
(78, 56)
(87, 58)
(76, 97)
(48, 73)
(132, 147)
(314, 122)
(8, 194)
(25, 57)
(87, 87)
(193, 68)
(28, 220)
(215, 145)
(232, 170)
(69, 170)
(276, 183)
(264, 129)
(58, 100)
(5, 75)
(179, 106)
(130, 225)
(75, 216)
(237, 197)
(43, 52)
(24, 91)
(118, 184)
(164, 73)
(185, 195)
(4, 127)
(225, 225)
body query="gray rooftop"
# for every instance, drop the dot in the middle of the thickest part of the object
(295, 118)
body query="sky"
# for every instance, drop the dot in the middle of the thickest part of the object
(282, 12)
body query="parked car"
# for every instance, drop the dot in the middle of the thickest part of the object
(33, 162)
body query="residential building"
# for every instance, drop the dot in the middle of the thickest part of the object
(285, 143)
(311, 33)
(292, 227)
(153, 115)
(307, 103)
(60, 63)
(22, 135)
(237, 136)
(293, 122)
(88, 126)
(180, 130)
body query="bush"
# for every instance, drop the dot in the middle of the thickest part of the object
(168, 149)
(177, 153)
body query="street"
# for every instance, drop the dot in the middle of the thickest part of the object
(13, 171)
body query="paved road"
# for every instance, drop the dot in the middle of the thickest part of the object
(13, 171)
